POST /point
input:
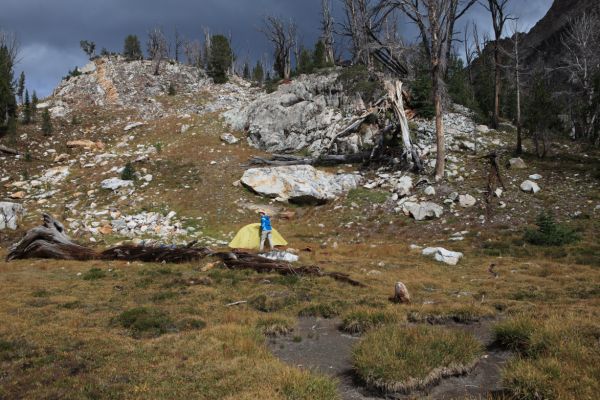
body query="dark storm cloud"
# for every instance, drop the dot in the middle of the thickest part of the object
(50, 30)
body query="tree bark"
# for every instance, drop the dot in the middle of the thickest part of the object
(440, 162)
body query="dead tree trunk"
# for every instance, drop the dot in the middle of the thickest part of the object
(49, 241)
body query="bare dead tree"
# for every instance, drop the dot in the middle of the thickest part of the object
(193, 52)
(518, 70)
(207, 45)
(435, 19)
(581, 40)
(158, 48)
(283, 37)
(498, 11)
(358, 22)
(178, 44)
(327, 27)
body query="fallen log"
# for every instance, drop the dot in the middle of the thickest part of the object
(8, 150)
(244, 260)
(321, 161)
(51, 241)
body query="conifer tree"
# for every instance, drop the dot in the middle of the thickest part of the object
(319, 56)
(246, 73)
(8, 103)
(34, 103)
(27, 109)
(132, 49)
(46, 123)
(21, 86)
(220, 58)
(258, 74)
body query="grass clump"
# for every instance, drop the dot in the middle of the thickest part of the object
(189, 324)
(275, 326)
(363, 196)
(271, 303)
(323, 310)
(556, 356)
(397, 359)
(462, 314)
(94, 274)
(304, 385)
(550, 233)
(361, 320)
(145, 322)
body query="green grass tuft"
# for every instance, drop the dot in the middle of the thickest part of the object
(146, 322)
(94, 274)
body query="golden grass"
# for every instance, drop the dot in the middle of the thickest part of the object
(400, 359)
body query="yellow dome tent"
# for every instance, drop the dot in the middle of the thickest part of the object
(249, 238)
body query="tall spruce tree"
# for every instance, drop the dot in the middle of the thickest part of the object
(220, 58)
(320, 55)
(132, 49)
(8, 103)
(27, 109)
(34, 104)
(246, 72)
(21, 86)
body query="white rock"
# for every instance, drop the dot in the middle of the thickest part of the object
(517, 163)
(132, 125)
(55, 175)
(422, 211)
(404, 186)
(429, 191)
(535, 177)
(184, 128)
(482, 129)
(229, 138)
(442, 255)
(10, 215)
(530, 187)
(115, 183)
(498, 192)
(147, 178)
(298, 183)
(466, 200)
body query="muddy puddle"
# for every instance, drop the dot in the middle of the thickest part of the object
(317, 344)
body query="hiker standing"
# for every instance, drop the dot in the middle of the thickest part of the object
(265, 230)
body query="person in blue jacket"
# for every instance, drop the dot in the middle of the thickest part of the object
(265, 230)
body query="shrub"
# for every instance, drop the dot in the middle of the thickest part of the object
(128, 173)
(401, 359)
(46, 123)
(94, 274)
(145, 322)
(171, 90)
(357, 79)
(550, 233)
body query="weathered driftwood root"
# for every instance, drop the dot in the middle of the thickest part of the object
(51, 241)
(243, 260)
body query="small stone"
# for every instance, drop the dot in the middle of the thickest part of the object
(401, 294)
(516, 163)
(535, 177)
(17, 195)
(229, 138)
(530, 187)
(429, 191)
(466, 200)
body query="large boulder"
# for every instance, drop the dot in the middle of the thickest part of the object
(301, 184)
(422, 211)
(404, 186)
(305, 113)
(10, 215)
(442, 255)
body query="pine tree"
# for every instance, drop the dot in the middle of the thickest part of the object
(258, 74)
(132, 49)
(88, 48)
(21, 86)
(305, 63)
(319, 56)
(8, 103)
(27, 109)
(220, 58)
(246, 73)
(46, 123)
(34, 104)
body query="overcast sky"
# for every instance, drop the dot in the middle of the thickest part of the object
(50, 30)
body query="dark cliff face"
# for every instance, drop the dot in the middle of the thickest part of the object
(542, 45)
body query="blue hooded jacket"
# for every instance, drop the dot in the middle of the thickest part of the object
(265, 223)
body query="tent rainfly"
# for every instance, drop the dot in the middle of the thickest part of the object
(249, 238)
